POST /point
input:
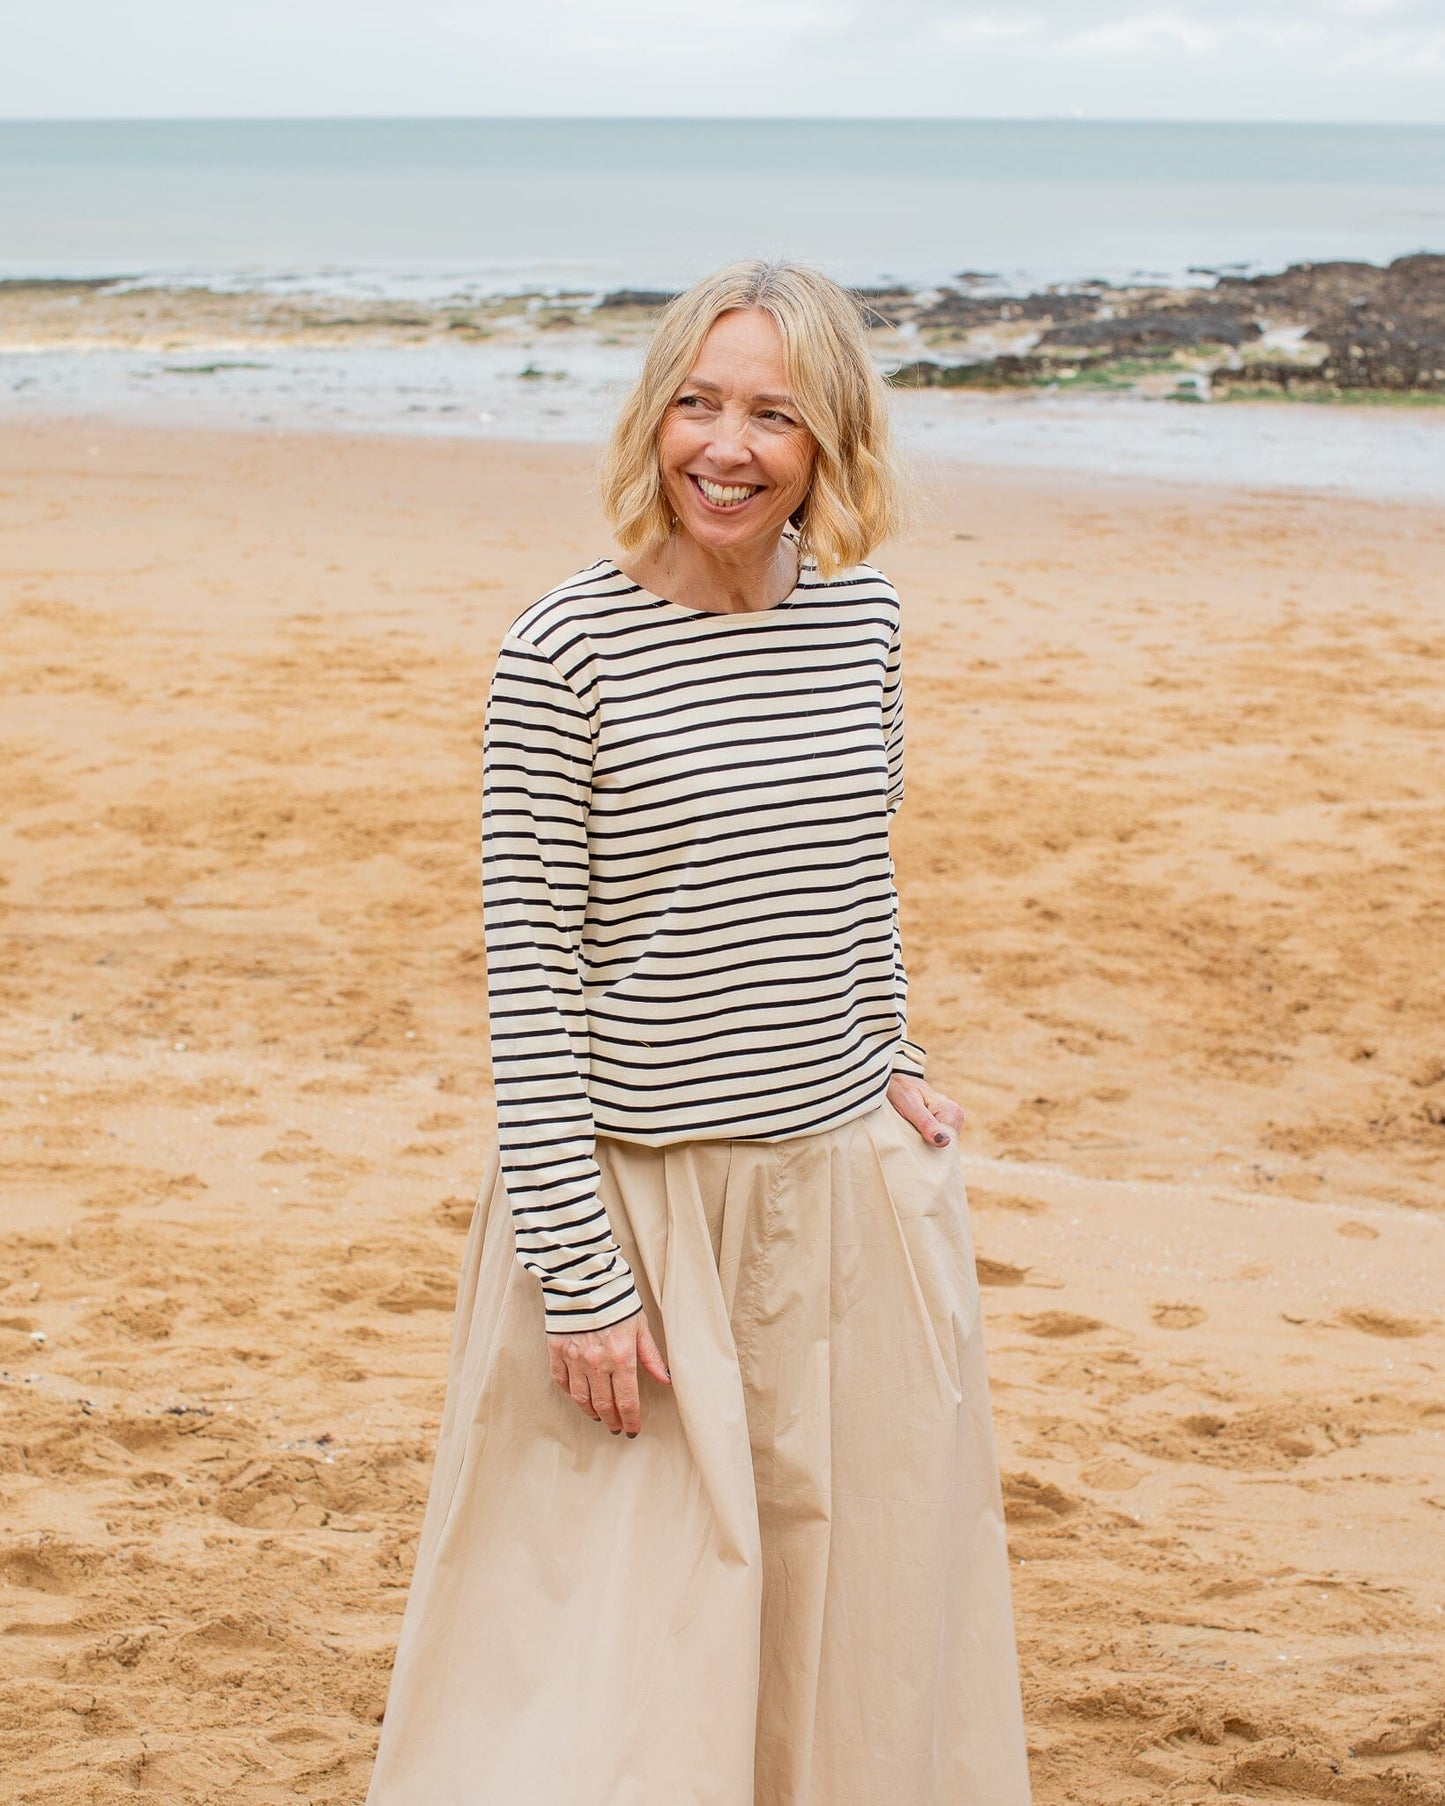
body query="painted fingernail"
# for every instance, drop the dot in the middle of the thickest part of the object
(942, 1140)
(632, 1436)
(614, 1432)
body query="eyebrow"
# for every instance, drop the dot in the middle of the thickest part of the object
(701, 382)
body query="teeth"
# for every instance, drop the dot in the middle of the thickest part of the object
(722, 497)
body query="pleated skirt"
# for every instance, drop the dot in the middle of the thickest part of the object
(792, 1589)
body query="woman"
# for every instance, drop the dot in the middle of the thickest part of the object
(726, 1217)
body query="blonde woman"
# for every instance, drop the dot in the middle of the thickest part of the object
(715, 1518)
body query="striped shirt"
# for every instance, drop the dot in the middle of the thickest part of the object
(690, 914)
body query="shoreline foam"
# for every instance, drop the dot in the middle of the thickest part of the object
(998, 384)
(438, 394)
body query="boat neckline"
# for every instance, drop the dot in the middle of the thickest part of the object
(807, 566)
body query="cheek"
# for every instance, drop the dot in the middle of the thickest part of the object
(666, 452)
(674, 447)
(801, 473)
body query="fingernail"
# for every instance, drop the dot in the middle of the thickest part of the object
(632, 1436)
(614, 1432)
(942, 1140)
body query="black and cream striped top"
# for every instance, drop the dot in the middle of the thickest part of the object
(691, 920)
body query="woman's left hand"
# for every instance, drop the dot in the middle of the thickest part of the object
(936, 1117)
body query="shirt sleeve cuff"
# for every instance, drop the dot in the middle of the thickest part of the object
(909, 1058)
(572, 1316)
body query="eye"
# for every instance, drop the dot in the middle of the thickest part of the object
(689, 401)
(779, 415)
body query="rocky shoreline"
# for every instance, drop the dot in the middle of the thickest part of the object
(1324, 329)
(1320, 331)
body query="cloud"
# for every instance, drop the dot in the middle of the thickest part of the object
(1404, 35)
(1083, 15)
(1196, 59)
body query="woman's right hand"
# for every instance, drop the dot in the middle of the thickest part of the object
(597, 1369)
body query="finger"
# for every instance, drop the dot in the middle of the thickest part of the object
(559, 1366)
(627, 1399)
(950, 1114)
(911, 1105)
(604, 1405)
(581, 1392)
(650, 1355)
(935, 1131)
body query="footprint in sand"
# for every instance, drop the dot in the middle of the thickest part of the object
(426, 1291)
(47, 1564)
(1178, 1316)
(455, 1213)
(1381, 1323)
(1029, 1500)
(998, 1272)
(1403, 1732)
(980, 1198)
(1112, 1475)
(1060, 1323)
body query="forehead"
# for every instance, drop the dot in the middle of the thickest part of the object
(743, 350)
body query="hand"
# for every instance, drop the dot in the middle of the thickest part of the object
(597, 1369)
(936, 1117)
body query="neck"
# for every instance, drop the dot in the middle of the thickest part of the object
(740, 582)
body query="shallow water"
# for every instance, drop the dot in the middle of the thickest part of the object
(478, 392)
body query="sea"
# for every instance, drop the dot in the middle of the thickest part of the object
(434, 207)
(432, 210)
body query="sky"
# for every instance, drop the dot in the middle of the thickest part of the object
(1368, 60)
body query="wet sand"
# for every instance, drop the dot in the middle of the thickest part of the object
(1171, 868)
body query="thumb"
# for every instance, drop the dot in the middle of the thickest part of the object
(650, 1355)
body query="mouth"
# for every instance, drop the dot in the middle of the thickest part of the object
(724, 498)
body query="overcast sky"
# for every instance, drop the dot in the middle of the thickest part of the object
(1106, 59)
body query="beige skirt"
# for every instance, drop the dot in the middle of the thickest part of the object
(792, 1589)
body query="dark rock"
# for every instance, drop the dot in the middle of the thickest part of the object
(1159, 329)
(637, 297)
(1007, 372)
(886, 306)
(1304, 288)
(962, 312)
(1391, 365)
(57, 285)
(1382, 326)
(1271, 374)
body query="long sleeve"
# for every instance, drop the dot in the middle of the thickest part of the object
(537, 774)
(909, 1056)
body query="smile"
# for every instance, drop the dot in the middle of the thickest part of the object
(722, 495)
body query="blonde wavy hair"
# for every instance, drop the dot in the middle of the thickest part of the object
(856, 497)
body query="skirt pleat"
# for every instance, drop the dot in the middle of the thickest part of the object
(792, 1589)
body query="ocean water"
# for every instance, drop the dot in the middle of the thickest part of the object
(425, 209)
(434, 207)
(478, 392)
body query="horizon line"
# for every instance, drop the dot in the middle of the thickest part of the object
(695, 119)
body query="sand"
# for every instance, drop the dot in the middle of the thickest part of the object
(1171, 863)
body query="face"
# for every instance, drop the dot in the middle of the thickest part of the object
(735, 457)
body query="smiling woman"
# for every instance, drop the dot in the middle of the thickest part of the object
(725, 1207)
(782, 396)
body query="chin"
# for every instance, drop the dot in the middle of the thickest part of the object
(720, 530)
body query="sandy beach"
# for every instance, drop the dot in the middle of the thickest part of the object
(1171, 875)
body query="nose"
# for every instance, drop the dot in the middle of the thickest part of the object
(729, 445)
